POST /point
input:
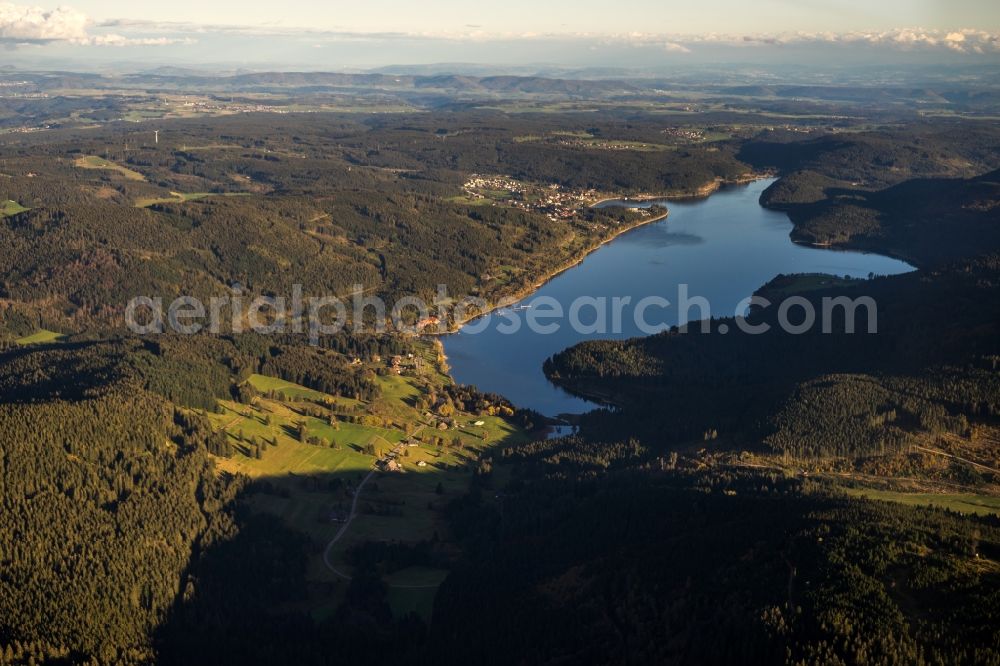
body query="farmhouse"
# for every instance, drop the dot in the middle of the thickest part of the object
(390, 466)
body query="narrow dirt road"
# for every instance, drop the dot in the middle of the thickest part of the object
(343, 528)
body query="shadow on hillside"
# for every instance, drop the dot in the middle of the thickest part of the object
(57, 370)
(926, 221)
(250, 594)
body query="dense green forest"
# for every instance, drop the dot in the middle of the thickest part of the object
(692, 521)
(327, 202)
(620, 562)
(124, 543)
(113, 499)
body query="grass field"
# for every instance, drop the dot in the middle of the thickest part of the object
(469, 201)
(587, 139)
(408, 590)
(180, 197)
(39, 337)
(315, 482)
(981, 505)
(264, 384)
(11, 207)
(94, 162)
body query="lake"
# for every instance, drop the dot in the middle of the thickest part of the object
(723, 248)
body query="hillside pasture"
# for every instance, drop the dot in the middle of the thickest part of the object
(181, 197)
(967, 503)
(39, 337)
(94, 162)
(11, 207)
(311, 486)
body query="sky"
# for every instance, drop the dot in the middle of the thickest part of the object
(333, 34)
(592, 16)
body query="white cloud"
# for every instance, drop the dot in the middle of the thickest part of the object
(962, 41)
(23, 24)
(674, 47)
(33, 24)
(120, 40)
(909, 39)
(637, 39)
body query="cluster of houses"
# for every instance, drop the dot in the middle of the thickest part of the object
(397, 364)
(199, 105)
(559, 204)
(601, 145)
(495, 183)
(551, 200)
(25, 129)
(685, 133)
(390, 461)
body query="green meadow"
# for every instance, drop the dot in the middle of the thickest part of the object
(11, 207)
(94, 162)
(181, 197)
(39, 337)
(314, 482)
(968, 503)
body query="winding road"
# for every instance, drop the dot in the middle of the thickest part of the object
(343, 528)
(350, 518)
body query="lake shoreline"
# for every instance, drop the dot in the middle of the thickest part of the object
(723, 251)
(527, 291)
(703, 192)
(857, 246)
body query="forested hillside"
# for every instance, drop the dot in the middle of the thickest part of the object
(105, 496)
(932, 364)
(178, 499)
(613, 559)
(325, 202)
(701, 518)
(114, 500)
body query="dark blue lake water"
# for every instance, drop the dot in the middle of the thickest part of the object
(723, 248)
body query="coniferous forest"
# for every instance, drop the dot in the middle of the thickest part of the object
(776, 498)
